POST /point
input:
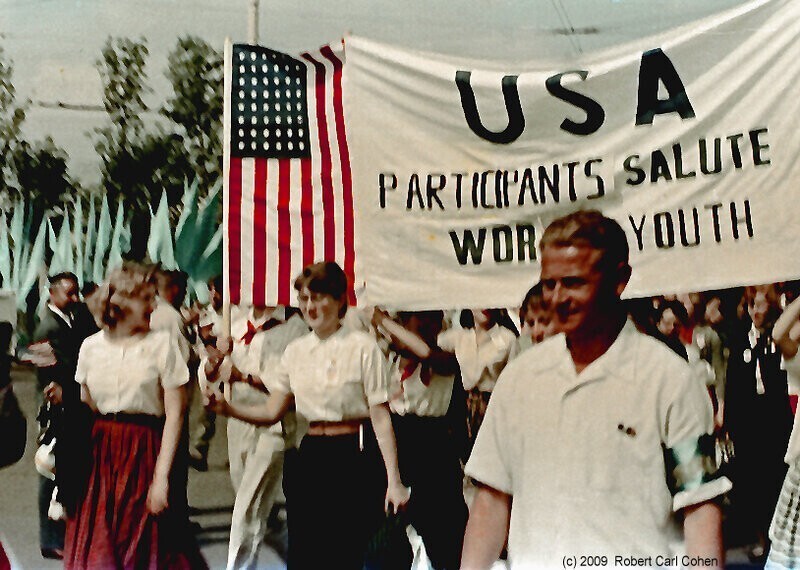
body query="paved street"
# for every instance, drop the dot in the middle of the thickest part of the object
(210, 495)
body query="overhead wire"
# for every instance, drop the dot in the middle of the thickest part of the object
(569, 29)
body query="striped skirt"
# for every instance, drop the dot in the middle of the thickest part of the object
(783, 532)
(111, 527)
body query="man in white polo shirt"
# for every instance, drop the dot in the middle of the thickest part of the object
(597, 441)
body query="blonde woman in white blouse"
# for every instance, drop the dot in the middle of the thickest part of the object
(337, 488)
(133, 378)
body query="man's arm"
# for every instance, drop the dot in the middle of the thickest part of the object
(702, 530)
(487, 528)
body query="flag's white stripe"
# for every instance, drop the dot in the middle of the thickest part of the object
(247, 257)
(336, 165)
(273, 180)
(296, 224)
(319, 231)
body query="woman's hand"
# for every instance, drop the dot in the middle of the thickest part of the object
(397, 497)
(157, 501)
(217, 403)
(53, 393)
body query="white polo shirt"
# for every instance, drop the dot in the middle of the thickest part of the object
(582, 454)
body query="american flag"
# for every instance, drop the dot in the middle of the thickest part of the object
(288, 199)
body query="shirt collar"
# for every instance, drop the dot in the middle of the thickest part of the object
(617, 360)
(279, 314)
(315, 341)
(496, 335)
(753, 335)
(64, 317)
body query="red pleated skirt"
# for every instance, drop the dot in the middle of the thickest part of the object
(111, 528)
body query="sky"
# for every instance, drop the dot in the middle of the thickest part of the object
(53, 44)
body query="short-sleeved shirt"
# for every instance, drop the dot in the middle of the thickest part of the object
(168, 318)
(482, 363)
(422, 392)
(792, 367)
(583, 454)
(130, 375)
(332, 379)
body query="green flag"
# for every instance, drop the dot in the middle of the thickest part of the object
(77, 238)
(159, 243)
(185, 247)
(5, 253)
(35, 262)
(120, 240)
(102, 242)
(88, 243)
(63, 259)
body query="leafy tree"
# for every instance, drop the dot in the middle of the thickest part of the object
(42, 177)
(195, 70)
(122, 72)
(12, 116)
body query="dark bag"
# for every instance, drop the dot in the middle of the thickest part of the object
(13, 428)
(73, 453)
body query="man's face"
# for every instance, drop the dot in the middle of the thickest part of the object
(216, 298)
(64, 294)
(577, 292)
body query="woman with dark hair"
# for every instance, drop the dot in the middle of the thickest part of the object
(483, 346)
(133, 378)
(337, 487)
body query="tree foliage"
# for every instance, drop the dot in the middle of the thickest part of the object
(122, 72)
(35, 171)
(42, 176)
(12, 115)
(195, 70)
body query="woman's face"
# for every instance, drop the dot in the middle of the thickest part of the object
(132, 310)
(668, 323)
(320, 311)
(538, 324)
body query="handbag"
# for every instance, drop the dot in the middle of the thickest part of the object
(13, 426)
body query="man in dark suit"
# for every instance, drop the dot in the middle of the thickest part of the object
(57, 340)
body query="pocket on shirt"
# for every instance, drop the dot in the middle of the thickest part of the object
(617, 458)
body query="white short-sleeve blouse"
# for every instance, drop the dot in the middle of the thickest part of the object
(334, 379)
(129, 375)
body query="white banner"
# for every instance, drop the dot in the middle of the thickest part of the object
(690, 139)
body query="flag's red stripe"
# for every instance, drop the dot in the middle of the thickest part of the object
(284, 231)
(260, 232)
(347, 181)
(307, 211)
(328, 223)
(235, 230)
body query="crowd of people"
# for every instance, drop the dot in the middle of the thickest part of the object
(578, 425)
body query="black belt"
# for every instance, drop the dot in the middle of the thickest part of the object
(148, 420)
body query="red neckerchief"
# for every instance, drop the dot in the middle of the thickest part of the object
(252, 329)
(424, 374)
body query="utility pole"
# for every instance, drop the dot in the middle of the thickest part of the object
(252, 22)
